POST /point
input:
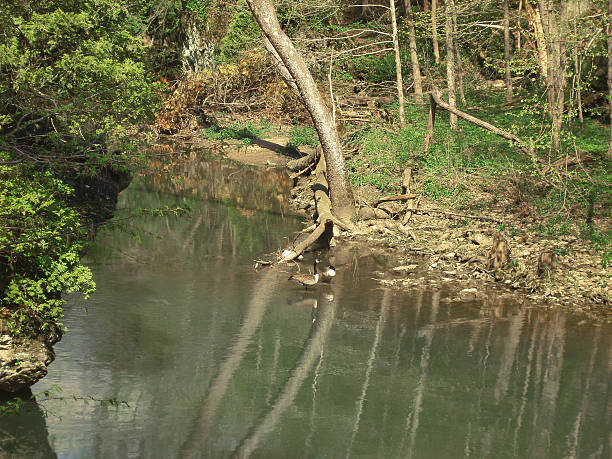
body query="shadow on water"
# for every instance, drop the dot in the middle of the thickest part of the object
(23, 433)
(217, 360)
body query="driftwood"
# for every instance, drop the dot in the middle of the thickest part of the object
(435, 98)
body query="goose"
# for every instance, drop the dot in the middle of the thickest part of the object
(307, 279)
(329, 271)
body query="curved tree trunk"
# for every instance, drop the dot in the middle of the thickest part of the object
(340, 190)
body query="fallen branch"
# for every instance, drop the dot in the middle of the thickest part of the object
(399, 197)
(436, 97)
(455, 214)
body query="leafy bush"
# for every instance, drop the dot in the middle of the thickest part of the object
(41, 238)
(73, 88)
(303, 135)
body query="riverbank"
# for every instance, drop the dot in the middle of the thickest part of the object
(443, 245)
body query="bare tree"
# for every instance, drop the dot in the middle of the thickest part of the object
(458, 64)
(450, 64)
(507, 51)
(535, 22)
(555, 26)
(398, 66)
(414, 57)
(340, 190)
(434, 30)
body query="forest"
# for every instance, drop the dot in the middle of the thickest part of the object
(496, 108)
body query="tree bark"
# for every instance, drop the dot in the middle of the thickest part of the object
(535, 22)
(459, 65)
(507, 51)
(610, 71)
(450, 64)
(434, 30)
(555, 26)
(398, 66)
(414, 57)
(340, 190)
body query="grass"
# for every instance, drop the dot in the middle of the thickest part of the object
(245, 132)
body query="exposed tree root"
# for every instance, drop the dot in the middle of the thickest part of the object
(325, 219)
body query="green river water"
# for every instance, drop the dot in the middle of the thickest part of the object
(214, 359)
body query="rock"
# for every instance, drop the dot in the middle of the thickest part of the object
(546, 262)
(407, 268)
(500, 251)
(370, 213)
(443, 247)
(23, 361)
(468, 293)
(481, 239)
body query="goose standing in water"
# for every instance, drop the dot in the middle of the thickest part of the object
(328, 273)
(307, 279)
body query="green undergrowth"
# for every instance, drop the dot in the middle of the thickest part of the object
(246, 132)
(475, 170)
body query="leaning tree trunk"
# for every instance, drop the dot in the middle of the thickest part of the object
(450, 64)
(398, 67)
(414, 57)
(507, 51)
(610, 71)
(340, 190)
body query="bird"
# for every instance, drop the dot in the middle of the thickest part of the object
(328, 272)
(307, 279)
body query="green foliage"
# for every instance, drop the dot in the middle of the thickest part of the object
(73, 88)
(40, 239)
(243, 31)
(74, 73)
(199, 7)
(303, 135)
(246, 132)
(459, 165)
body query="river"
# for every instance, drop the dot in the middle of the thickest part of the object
(185, 350)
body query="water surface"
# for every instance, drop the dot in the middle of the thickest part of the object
(215, 359)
